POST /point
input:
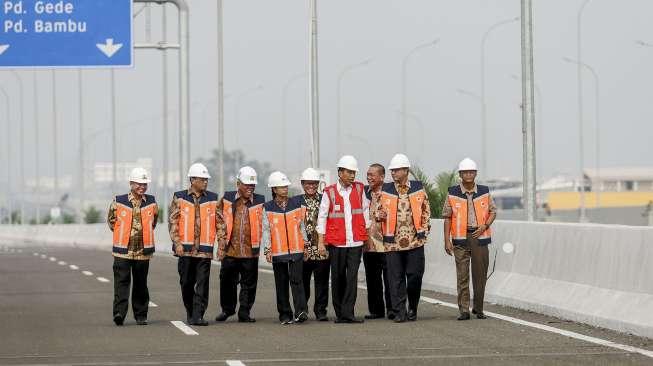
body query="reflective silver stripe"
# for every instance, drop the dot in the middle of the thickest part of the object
(357, 211)
(336, 215)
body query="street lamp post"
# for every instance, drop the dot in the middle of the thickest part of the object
(597, 124)
(55, 140)
(8, 121)
(21, 141)
(341, 75)
(37, 147)
(528, 111)
(80, 107)
(404, 87)
(220, 62)
(581, 145)
(484, 166)
(314, 105)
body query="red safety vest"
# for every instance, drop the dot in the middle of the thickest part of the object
(335, 224)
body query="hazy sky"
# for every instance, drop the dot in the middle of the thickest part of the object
(266, 43)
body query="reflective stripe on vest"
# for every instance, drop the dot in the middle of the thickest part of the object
(123, 225)
(336, 234)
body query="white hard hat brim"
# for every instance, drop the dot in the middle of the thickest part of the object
(141, 181)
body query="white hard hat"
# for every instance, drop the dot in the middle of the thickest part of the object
(311, 175)
(139, 175)
(198, 170)
(348, 162)
(278, 179)
(399, 161)
(247, 175)
(467, 164)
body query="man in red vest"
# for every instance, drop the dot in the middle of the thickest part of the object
(343, 221)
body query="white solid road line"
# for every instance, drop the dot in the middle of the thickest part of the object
(235, 363)
(547, 328)
(102, 279)
(87, 273)
(152, 305)
(73, 267)
(183, 327)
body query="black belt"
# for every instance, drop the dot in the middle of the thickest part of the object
(471, 229)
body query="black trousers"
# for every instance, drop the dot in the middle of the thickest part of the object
(288, 277)
(194, 276)
(405, 269)
(232, 272)
(320, 271)
(376, 277)
(123, 271)
(344, 279)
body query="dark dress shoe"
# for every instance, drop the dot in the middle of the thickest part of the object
(481, 316)
(348, 321)
(411, 315)
(322, 318)
(222, 317)
(247, 320)
(464, 316)
(391, 316)
(118, 320)
(399, 319)
(374, 316)
(302, 317)
(141, 321)
(199, 322)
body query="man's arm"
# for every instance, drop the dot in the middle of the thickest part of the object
(111, 216)
(322, 215)
(173, 227)
(448, 246)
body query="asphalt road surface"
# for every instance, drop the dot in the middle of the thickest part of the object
(55, 308)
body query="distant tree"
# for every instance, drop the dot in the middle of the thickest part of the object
(436, 189)
(92, 215)
(68, 218)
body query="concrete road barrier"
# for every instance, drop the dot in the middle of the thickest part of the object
(600, 275)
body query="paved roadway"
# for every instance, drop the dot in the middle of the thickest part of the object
(55, 308)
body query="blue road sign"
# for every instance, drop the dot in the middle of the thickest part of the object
(65, 33)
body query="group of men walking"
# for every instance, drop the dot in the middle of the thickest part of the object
(315, 234)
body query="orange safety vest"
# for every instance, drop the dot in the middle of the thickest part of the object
(123, 225)
(336, 234)
(458, 201)
(208, 208)
(286, 239)
(255, 211)
(390, 202)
